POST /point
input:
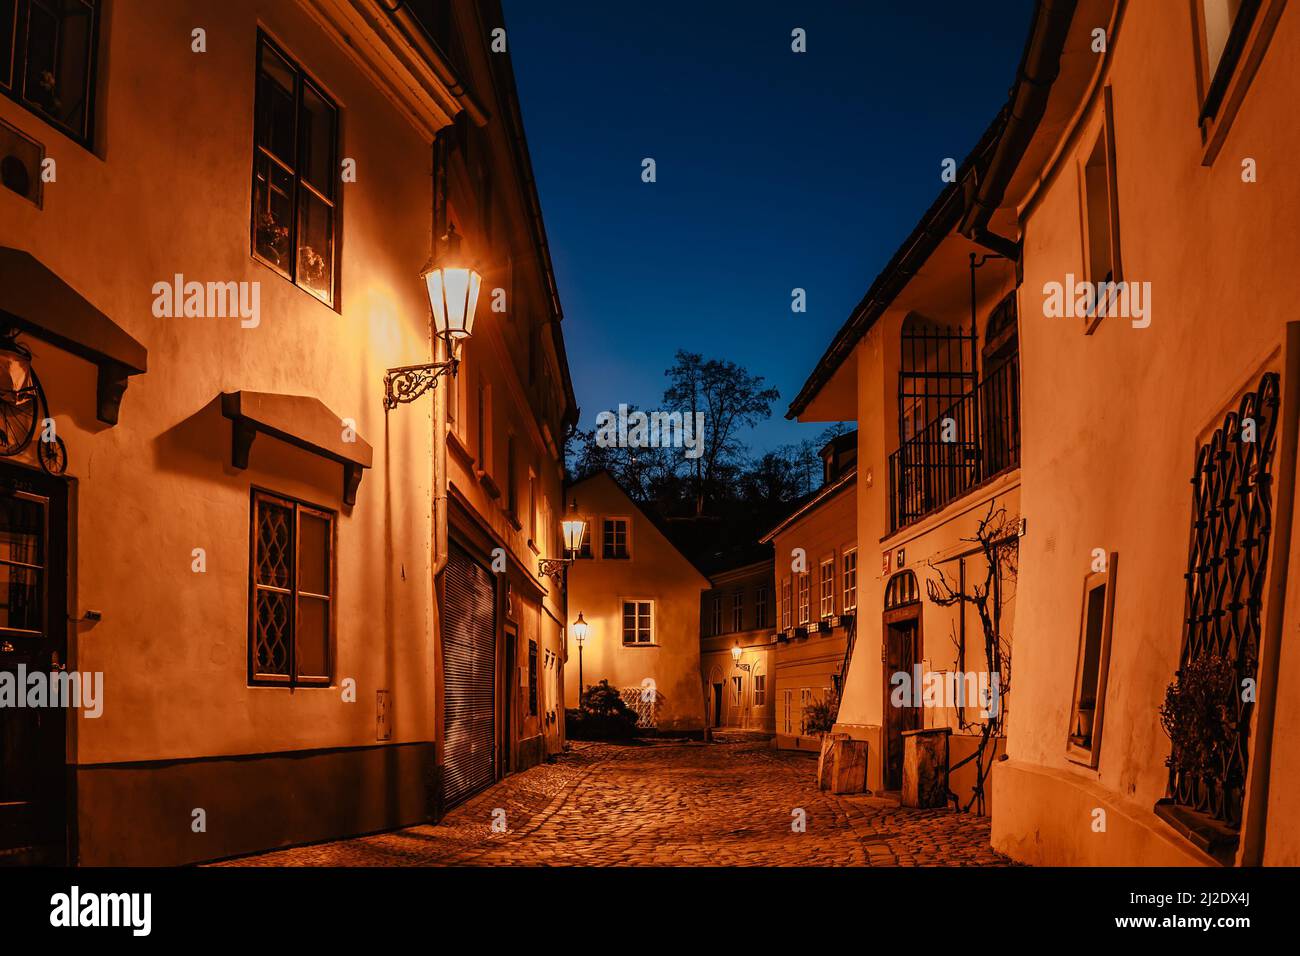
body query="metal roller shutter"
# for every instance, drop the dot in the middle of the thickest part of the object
(469, 678)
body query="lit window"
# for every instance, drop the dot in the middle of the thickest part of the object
(785, 604)
(827, 583)
(294, 174)
(47, 60)
(760, 690)
(804, 587)
(638, 622)
(850, 581)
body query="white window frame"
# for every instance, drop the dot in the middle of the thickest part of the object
(716, 620)
(650, 628)
(826, 583)
(760, 690)
(849, 561)
(737, 610)
(627, 537)
(787, 612)
(805, 597)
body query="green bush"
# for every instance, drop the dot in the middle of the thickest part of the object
(819, 716)
(1199, 715)
(601, 715)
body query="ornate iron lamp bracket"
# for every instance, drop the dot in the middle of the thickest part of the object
(406, 383)
(553, 567)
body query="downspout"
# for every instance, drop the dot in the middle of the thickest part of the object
(440, 395)
(1039, 69)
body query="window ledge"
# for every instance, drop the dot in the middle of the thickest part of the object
(488, 483)
(300, 421)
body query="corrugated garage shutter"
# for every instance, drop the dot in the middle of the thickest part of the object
(469, 678)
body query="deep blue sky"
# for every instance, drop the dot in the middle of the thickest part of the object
(776, 170)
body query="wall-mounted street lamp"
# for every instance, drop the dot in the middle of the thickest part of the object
(453, 288)
(575, 529)
(580, 631)
(736, 652)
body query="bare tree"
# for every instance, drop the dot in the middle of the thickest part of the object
(997, 540)
(730, 397)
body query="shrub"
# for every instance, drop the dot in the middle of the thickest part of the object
(601, 715)
(819, 716)
(1199, 715)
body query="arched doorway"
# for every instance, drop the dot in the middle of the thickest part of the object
(902, 646)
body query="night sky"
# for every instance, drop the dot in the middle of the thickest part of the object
(775, 170)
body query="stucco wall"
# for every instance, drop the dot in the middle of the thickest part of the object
(655, 571)
(166, 196)
(1112, 420)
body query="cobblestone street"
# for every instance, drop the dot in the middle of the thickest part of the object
(667, 804)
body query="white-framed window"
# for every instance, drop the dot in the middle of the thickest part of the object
(638, 622)
(785, 604)
(850, 580)
(827, 584)
(715, 614)
(787, 710)
(805, 698)
(737, 689)
(614, 543)
(804, 598)
(1083, 740)
(760, 607)
(1101, 216)
(737, 610)
(760, 690)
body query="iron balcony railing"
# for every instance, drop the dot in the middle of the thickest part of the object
(974, 439)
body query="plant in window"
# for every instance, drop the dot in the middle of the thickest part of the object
(1198, 715)
(819, 716)
(272, 238)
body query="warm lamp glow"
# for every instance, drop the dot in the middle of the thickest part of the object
(575, 529)
(453, 291)
(735, 652)
(453, 294)
(580, 629)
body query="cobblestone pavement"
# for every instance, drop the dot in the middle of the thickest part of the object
(667, 804)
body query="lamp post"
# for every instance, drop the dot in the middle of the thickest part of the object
(453, 287)
(580, 630)
(575, 529)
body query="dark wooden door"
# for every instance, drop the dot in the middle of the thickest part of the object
(902, 654)
(33, 640)
(717, 705)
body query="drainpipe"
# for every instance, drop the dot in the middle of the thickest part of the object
(440, 395)
(1039, 69)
